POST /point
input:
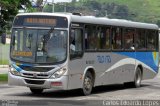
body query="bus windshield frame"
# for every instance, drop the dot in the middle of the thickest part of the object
(39, 45)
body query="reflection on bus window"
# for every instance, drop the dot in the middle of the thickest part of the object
(140, 39)
(32, 45)
(116, 38)
(55, 46)
(97, 38)
(151, 40)
(128, 38)
(15, 35)
(76, 42)
(92, 38)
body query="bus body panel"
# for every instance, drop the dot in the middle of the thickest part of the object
(117, 69)
(110, 66)
(20, 81)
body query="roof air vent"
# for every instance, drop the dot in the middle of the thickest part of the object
(79, 14)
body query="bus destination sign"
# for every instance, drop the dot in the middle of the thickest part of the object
(44, 21)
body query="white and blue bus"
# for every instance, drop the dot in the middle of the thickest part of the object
(68, 51)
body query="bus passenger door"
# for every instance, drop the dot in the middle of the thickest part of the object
(76, 53)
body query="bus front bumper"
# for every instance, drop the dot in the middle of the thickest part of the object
(57, 84)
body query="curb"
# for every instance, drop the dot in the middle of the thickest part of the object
(4, 66)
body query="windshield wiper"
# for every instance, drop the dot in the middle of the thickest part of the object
(51, 30)
(46, 37)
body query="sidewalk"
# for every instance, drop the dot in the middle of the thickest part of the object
(4, 69)
(4, 66)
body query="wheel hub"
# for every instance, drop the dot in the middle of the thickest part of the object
(87, 83)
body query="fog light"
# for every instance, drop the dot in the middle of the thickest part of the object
(56, 83)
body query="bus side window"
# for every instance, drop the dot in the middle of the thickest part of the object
(104, 38)
(151, 40)
(140, 39)
(76, 43)
(107, 35)
(128, 38)
(116, 38)
(91, 38)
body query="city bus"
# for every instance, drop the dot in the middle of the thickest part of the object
(65, 51)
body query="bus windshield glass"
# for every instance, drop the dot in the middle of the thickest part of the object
(39, 45)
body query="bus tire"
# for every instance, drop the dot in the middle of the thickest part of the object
(137, 78)
(36, 91)
(87, 83)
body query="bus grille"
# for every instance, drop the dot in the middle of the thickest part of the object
(38, 76)
(37, 69)
(40, 82)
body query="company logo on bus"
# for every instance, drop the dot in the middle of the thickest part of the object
(34, 75)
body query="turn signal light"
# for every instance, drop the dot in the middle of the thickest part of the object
(56, 83)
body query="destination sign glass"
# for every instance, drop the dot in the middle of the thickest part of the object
(43, 21)
(40, 21)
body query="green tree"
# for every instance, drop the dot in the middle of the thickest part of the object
(39, 4)
(158, 23)
(9, 10)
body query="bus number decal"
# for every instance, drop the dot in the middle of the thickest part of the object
(104, 59)
(90, 62)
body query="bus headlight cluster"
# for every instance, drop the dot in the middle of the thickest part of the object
(59, 73)
(14, 71)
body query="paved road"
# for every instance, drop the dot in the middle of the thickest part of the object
(150, 90)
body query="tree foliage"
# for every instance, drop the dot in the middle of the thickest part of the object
(9, 10)
(101, 8)
(39, 3)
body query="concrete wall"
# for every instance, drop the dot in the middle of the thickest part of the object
(4, 54)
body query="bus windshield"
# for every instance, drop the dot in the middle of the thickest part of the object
(39, 45)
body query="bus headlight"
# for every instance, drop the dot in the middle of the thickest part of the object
(14, 71)
(59, 73)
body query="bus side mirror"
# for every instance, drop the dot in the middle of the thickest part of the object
(3, 38)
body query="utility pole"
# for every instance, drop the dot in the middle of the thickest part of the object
(0, 40)
(0, 20)
(65, 7)
(53, 6)
(0, 10)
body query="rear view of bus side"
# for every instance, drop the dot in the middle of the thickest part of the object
(91, 52)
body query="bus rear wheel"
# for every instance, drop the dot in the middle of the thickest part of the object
(36, 91)
(87, 83)
(137, 78)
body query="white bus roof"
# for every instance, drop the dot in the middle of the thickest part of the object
(98, 20)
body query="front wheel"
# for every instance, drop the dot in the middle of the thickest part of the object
(87, 83)
(36, 91)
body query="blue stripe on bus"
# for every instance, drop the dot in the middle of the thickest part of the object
(20, 66)
(25, 65)
(148, 58)
(17, 68)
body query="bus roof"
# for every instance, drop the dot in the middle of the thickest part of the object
(112, 22)
(98, 20)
